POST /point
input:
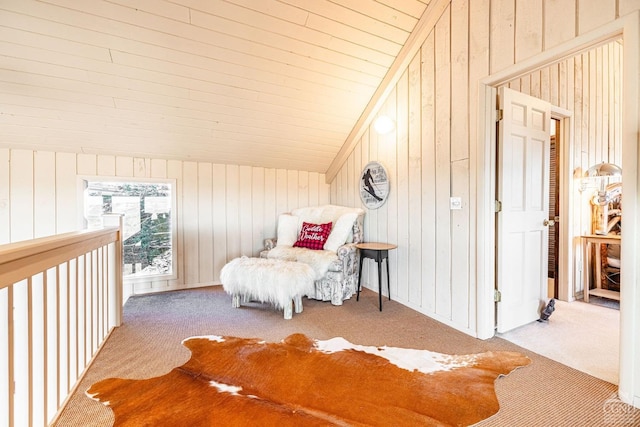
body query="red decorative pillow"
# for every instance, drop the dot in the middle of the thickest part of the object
(313, 236)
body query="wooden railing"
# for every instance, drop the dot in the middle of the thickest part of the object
(60, 297)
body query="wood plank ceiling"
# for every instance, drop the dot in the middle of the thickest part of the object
(272, 83)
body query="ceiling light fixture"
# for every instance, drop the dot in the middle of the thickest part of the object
(384, 124)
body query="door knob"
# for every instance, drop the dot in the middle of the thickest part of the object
(548, 222)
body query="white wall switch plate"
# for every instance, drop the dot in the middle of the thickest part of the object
(455, 203)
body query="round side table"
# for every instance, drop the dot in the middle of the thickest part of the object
(377, 252)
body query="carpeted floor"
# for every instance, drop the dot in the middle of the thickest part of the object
(546, 393)
(582, 335)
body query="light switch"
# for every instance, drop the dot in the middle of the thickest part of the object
(455, 203)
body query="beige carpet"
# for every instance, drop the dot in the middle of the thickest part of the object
(583, 336)
(546, 393)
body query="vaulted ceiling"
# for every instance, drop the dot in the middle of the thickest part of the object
(273, 83)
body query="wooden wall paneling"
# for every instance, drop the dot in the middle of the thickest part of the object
(336, 188)
(21, 196)
(174, 171)
(525, 84)
(233, 211)
(343, 184)
(375, 214)
(282, 205)
(219, 214)
(603, 105)
(67, 197)
(388, 213)
(460, 253)
(345, 180)
(141, 167)
(502, 36)
(333, 188)
(158, 168)
(314, 189)
(563, 86)
(190, 224)
(370, 216)
(536, 84)
(528, 29)
(554, 85)
(246, 211)
(414, 203)
(87, 164)
(428, 156)
(479, 29)
(584, 106)
(460, 80)
(593, 77)
(559, 22)
(627, 6)
(205, 222)
(270, 215)
(443, 165)
(402, 186)
(292, 190)
(545, 84)
(5, 191)
(44, 169)
(618, 64)
(355, 177)
(324, 189)
(303, 188)
(257, 213)
(352, 175)
(124, 166)
(576, 106)
(594, 14)
(611, 99)
(106, 165)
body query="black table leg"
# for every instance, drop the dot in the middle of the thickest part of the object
(388, 282)
(379, 262)
(378, 256)
(359, 277)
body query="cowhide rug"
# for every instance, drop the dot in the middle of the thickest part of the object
(238, 382)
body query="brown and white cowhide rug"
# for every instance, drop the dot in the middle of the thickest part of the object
(238, 382)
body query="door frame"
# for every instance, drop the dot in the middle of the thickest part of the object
(627, 27)
(565, 250)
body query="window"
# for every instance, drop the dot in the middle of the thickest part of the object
(147, 224)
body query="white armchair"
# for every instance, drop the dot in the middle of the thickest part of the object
(336, 265)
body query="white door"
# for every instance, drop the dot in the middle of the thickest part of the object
(523, 186)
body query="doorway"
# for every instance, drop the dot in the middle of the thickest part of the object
(627, 27)
(554, 208)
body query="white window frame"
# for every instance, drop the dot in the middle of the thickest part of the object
(82, 182)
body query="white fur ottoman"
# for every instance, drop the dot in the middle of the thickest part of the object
(272, 281)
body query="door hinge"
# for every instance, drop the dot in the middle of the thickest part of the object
(497, 296)
(499, 113)
(498, 206)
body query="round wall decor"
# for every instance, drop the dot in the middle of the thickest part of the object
(374, 185)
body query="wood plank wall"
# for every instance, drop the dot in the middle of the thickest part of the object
(223, 211)
(431, 155)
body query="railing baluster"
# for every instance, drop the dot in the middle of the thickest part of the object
(10, 356)
(60, 297)
(30, 346)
